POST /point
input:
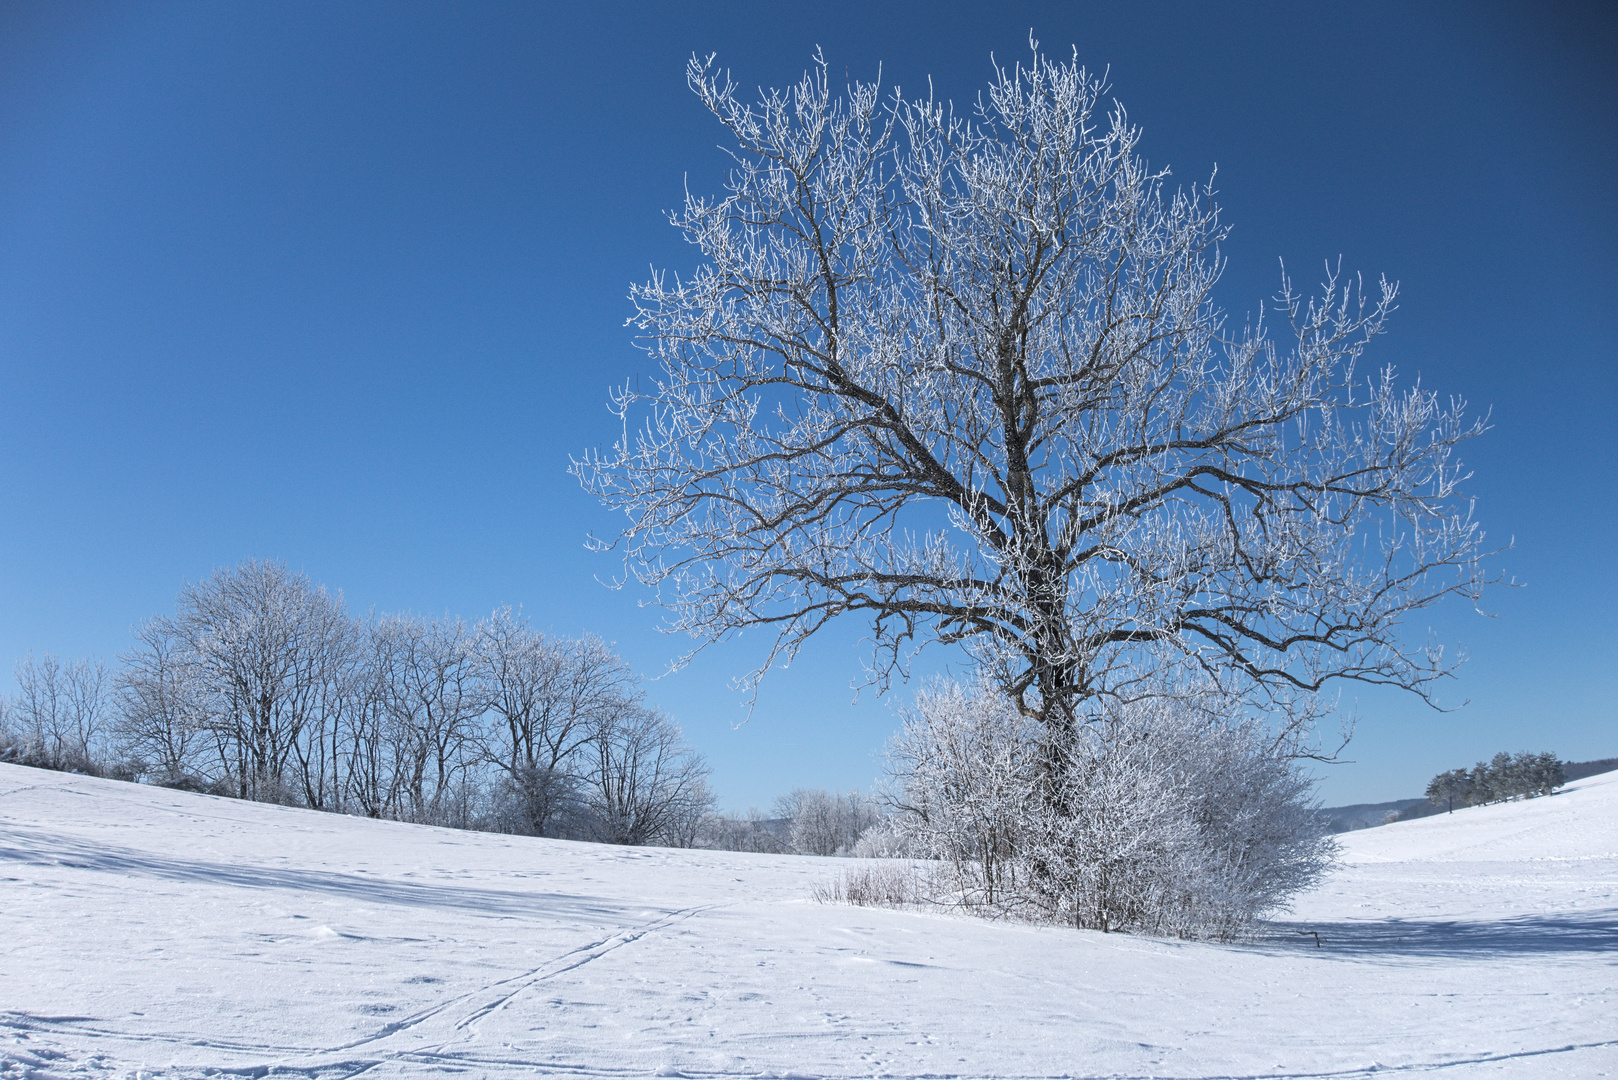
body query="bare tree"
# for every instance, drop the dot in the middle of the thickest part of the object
(689, 813)
(11, 747)
(647, 786)
(61, 710)
(161, 716)
(332, 672)
(260, 685)
(369, 757)
(965, 376)
(752, 831)
(549, 698)
(265, 647)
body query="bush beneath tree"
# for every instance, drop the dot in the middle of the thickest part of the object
(1162, 818)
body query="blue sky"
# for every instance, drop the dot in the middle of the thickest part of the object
(343, 285)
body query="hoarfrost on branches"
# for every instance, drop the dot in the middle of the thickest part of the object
(964, 375)
(1164, 817)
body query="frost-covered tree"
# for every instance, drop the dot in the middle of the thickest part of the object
(964, 375)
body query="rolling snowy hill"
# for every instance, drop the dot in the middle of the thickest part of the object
(157, 933)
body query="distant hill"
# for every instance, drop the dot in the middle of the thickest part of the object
(1364, 815)
(1340, 819)
(1578, 770)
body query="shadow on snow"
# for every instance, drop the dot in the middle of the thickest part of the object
(496, 903)
(1542, 934)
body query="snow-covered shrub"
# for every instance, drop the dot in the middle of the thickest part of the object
(964, 773)
(532, 800)
(198, 784)
(1160, 817)
(1107, 839)
(875, 885)
(1257, 838)
(884, 840)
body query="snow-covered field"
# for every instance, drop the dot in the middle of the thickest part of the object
(151, 932)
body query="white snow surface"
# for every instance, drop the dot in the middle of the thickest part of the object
(154, 933)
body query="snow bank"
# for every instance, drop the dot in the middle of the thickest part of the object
(159, 933)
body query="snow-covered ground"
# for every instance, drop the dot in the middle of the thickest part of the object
(157, 933)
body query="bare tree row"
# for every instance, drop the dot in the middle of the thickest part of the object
(262, 686)
(806, 821)
(59, 717)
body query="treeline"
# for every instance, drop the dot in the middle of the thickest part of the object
(262, 686)
(1506, 777)
(808, 821)
(1578, 770)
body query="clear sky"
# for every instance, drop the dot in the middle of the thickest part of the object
(344, 285)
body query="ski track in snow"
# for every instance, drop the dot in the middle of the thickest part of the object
(443, 1021)
(152, 933)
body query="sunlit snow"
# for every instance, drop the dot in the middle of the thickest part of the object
(157, 933)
